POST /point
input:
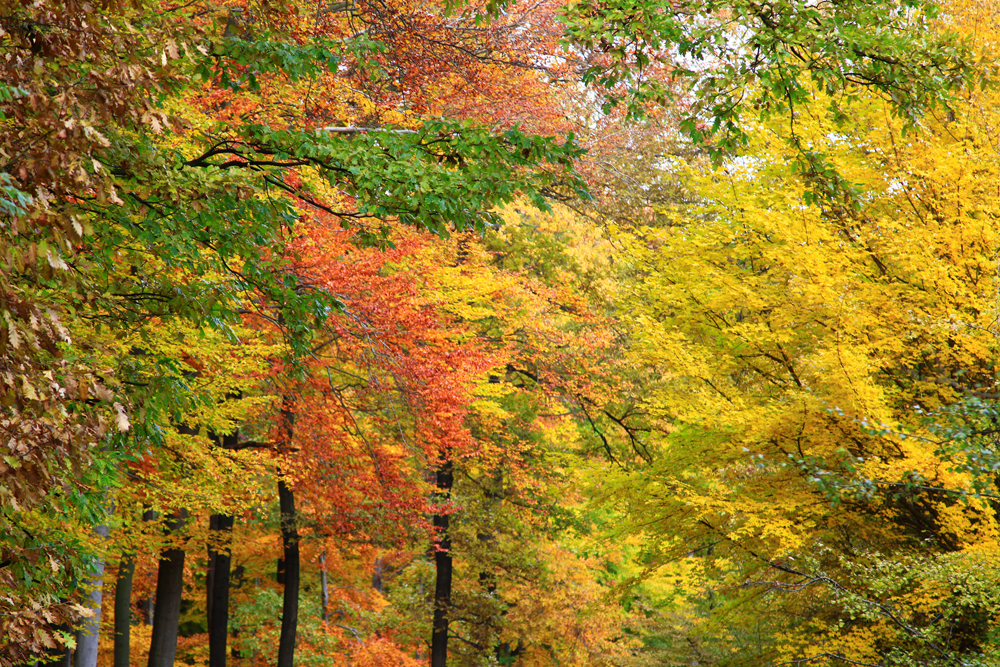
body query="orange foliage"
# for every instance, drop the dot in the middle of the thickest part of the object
(381, 652)
(385, 391)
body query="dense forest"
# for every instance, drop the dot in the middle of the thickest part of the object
(497, 332)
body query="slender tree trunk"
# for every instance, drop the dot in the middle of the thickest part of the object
(169, 590)
(290, 606)
(442, 583)
(218, 577)
(218, 581)
(495, 493)
(288, 566)
(148, 603)
(123, 610)
(324, 588)
(90, 630)
(148, 607)
(56, 657)
(235, 583)
(213, 527)
(218, 624)
(377, 571)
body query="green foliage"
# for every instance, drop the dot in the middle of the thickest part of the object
(239, 62)
(13, 202)
(445, 175)
(254, 622)
(723, 63)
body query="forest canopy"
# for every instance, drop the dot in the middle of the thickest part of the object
(498, 333)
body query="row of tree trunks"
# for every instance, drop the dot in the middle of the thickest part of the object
(170, 587)
(165, 612)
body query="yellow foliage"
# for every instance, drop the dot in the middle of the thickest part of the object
(801, 350)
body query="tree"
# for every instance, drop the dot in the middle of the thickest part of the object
(794, 336)
(134, 199)
(532, 293)
(719, 65)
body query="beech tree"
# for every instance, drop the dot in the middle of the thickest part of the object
(100, 177)
(817, 359)
(224, 278)
(718, 65)
(518, 591)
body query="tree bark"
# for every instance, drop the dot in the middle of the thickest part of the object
(123, 610)
(213, 527)
(378, 583)
(169, 590)
(236, 582)
(86, 644)
(218, 623)
(442, 561)
(324, 589)
(290, 605)
(148, 603)
(147, 607)
(219, 574)
(65, 660)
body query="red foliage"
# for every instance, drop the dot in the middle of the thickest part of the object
(386, 391)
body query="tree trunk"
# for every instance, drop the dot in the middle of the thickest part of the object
(218, 621)
(290, 606)
(90, 630)
(123, 610)
(218, 581)
(213, 527)
(149, 603)
(148, 607)
(377, 571)
(169, 590)
(324, 587)
(66, 658)
(442, 583)
(236, 582)
(56, 657)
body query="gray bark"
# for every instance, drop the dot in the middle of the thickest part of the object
(169, 590)
(123, 610)
(324, 588)
(86, 645)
